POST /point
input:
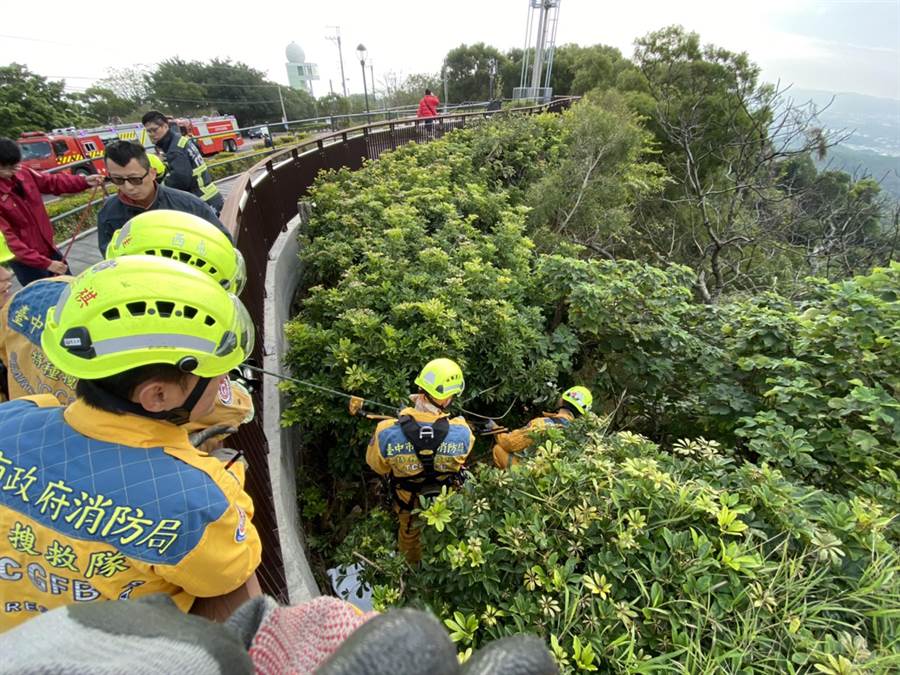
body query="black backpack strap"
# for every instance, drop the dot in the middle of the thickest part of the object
(424, 435)
(426, 438)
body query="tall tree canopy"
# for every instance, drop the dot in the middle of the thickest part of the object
(29, 102)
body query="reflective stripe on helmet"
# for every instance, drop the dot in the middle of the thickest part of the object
(173, 340)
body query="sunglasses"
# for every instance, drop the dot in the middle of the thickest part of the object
(121, 180)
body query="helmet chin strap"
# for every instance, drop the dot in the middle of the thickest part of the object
(435, 403)
(180, 415)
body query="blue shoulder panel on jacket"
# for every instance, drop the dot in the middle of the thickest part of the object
(392, 441)
(144, 502)
(28, 308)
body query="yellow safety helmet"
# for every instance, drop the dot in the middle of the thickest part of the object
(183, 237)
(140, 310)
(157, 163)
(580, 397)
(441, 378)
(5, 254)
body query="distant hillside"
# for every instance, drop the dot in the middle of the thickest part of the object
(874, 123)
(884, 168)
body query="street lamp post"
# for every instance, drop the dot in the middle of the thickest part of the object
(361, 53)
(492, 73)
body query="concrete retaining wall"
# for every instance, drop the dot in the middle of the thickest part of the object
(282, 278)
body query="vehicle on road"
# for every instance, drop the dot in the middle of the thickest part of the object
(48, 150)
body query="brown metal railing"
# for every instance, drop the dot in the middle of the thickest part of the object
(258, 209)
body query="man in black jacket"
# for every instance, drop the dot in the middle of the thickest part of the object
(186, 168)
(129, 168)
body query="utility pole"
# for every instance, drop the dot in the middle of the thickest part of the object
(372, 82)
(446, 95)
(337, 38)
(283, 113)
(492, 73)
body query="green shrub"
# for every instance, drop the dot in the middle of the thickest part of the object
(812, 386)
(64, 228)
(419, 254)
(627, 555)
(227, 164)
(687, 561)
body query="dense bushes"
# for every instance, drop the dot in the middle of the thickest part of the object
(769, 546)
(418, 254)
(688, 561)
(812, 387)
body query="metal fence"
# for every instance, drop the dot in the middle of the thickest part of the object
(258, 209)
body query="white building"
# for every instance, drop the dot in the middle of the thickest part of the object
(300, 73)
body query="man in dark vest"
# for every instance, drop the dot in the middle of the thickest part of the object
(186, 169)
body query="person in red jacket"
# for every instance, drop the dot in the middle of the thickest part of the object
(23, 220)
(428, 106)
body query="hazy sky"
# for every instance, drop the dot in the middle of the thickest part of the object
(836, 45)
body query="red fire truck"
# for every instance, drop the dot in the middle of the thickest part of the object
(212, 134)
(42, 151)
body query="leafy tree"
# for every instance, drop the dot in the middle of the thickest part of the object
(722, 137)
(588, 198)
(407, 91)
(220, 86)
(103, 105)
(178, 87)
(838, 221)
(298, 104)
(468, 71)
(333, 104)
(597, 67)
(29, 102)
(127, 83)
(564, 59)
(510, 72)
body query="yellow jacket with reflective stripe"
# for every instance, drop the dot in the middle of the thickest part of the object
(521, 439)
(390, 453)
(99, 506)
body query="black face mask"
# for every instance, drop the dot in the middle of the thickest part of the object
(180, 415)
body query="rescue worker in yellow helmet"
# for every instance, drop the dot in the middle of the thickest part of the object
(173, 234)
(107, 499)
(193, 241)
(510, 448)
(423, 449)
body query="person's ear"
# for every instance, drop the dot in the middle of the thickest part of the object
(150, 395)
